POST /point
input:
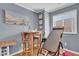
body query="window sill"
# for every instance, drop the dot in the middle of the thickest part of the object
(69, 32)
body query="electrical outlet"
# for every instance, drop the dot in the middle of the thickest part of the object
(65, 43)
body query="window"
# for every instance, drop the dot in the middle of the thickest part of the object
(68, 20)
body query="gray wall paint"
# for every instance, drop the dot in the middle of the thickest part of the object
(72, 40)
(9, 32)
(50, 21)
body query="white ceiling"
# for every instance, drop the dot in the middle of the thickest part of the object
(49, 7)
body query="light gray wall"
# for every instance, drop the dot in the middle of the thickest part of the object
(72, 40)
(9, 32)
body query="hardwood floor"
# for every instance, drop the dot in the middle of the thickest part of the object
(28, 53)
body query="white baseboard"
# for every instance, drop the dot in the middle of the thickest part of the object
(64, 49)
(72, 51)
(16, 52)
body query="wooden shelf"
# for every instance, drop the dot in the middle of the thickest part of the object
(30, 48)
(40, 18)
(7, 43)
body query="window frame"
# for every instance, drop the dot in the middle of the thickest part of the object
(75, 19)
